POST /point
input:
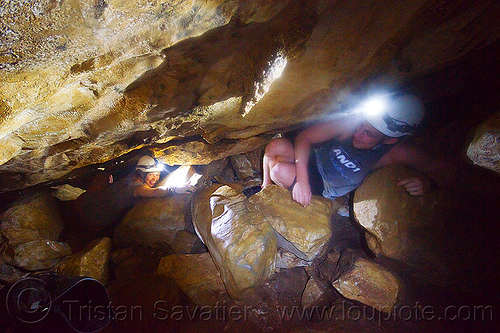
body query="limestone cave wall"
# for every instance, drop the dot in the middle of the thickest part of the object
(83, 82)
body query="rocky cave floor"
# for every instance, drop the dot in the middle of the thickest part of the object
(143, 301)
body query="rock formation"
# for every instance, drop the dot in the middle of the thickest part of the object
(85, 82)
(90, 85)
(239, 238)
(302, 231)
(152, 222)
(484, 150)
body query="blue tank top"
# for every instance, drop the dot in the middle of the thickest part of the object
(343, 167)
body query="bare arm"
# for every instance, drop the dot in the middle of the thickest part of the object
(437, 171)
(319, 133)
(159, 192)
(148, 192)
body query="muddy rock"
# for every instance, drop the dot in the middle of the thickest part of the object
(398, 225)
(32, 218)
(39, 254)
(152, 222)
(196, 275)
(302, 231)
(285, 259)
(67, 192)
(9, 273)
(317, 293)
(186, 242)
(242, 167)
(93, 261)
(202, 153)
(239, 238)
(266, 309)
(84, 82)
(484, 150)
(367, 282)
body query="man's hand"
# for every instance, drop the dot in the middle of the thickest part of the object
(302, 193)
(415, 186)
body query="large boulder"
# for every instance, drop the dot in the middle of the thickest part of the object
(317, 293)
(93, 261)
(32, 218)
(152, 222)
(30, 229)
(398, 225)
(186, 242)
(9, 273)
(239, 238)
(196, 275)
(66, 192)
(367, 282)
(302, 231)
(39, 254)
(484, 150)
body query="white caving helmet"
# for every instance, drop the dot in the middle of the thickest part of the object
(148, 164)
(397, 115)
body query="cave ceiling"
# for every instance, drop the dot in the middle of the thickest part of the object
(84, 82)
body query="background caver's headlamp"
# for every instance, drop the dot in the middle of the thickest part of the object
(149, 164)
(157, 167)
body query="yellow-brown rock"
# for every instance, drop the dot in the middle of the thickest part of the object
(84, 82)
(39, 254)
(152, 222)
(484, 150)
(196, 275)
(198, 152)
(32, 218)
(286, 259)
(67, 192)
(93, 261)
(317, 293)
(238, 237)
(186, 242)
(303, 231)
(370, 284)
(399, 226)
(242, 167)
(9, 273)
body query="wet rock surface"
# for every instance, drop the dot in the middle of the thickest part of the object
(302, 231)
(32, 218)
(30, 230)
(484, 150)
(398, 225)
(153, 289)
(153, 222)
(39, 254)
(239, 237)
(90, 85)
(196, 275)
(418, 232)
(367, 282)
(84, 82)
(92, 261)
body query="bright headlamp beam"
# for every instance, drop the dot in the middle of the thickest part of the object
(374, 106)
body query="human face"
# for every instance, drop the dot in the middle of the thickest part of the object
(367, 136)
(152, 178)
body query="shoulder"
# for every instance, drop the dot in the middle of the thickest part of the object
(406, 153)
(142, 190)
(334, 126)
